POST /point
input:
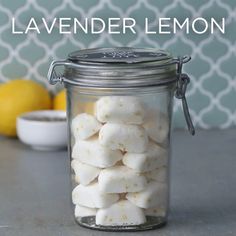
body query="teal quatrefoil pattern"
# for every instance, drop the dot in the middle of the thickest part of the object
(212, 93)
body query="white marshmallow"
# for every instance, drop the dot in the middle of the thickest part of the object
(156, 211)
(157, 126)
(84, 126)
(120, 109)
(92, 153)
(154, 157)
(84, 173)
(81, 211)
(91, 196)
(130, 138)
(120, 214)
(154, 195)
(120, 179)
(159, 175)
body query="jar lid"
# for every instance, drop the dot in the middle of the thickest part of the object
(119, 55)
(120, 67)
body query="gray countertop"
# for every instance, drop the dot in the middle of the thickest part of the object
(35, 189)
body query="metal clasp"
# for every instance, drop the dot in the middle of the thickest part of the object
(53, 76)
(182, 83)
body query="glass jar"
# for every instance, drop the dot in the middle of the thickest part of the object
(119, 107)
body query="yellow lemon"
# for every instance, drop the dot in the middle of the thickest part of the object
(19, 96)
(89, 108)
(59, 101)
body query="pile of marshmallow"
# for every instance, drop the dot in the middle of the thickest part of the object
(119, 162)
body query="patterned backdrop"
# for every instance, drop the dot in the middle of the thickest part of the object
(212, 93)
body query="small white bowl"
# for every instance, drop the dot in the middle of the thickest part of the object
(43, 130)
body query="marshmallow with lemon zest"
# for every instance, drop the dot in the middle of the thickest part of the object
(120, 214)
(90, 196)
(84, 173)
(154, 157)
(154, 195)
(119, 109)
(91, 152)
(84, 126)
(129, 138)
(120, 179)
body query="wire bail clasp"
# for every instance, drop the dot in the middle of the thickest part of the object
(182, 83)
(53, 76)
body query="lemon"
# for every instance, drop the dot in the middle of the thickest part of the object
(89, 108)
(19, 96)
(59, 101)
